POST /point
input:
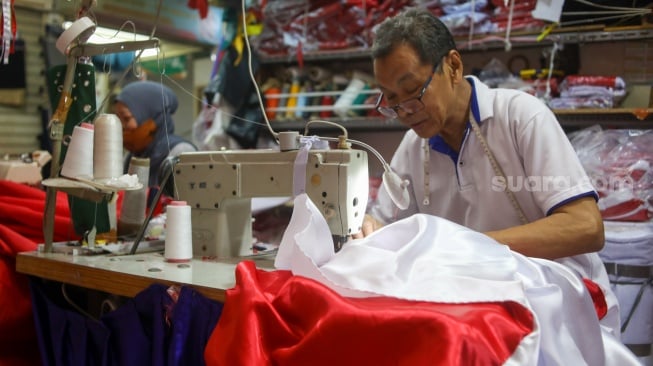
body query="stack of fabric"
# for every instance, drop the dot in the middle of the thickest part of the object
(619, 162)
(578, 91)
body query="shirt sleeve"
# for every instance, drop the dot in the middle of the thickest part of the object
(548, 157)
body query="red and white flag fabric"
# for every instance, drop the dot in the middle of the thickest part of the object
(420, 291)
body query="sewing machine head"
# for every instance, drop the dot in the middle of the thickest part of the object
(219, 185)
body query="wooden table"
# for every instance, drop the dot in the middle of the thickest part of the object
(127, 275)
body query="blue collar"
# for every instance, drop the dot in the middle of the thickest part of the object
(438, 144)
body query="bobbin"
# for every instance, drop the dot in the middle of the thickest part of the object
(81, 30)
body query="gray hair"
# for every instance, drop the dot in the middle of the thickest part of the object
(418, 28)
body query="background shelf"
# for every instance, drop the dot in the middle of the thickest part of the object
(630, 118)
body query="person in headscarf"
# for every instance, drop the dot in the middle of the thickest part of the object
(145, 109)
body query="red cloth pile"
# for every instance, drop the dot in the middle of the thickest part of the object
(522, 17)
(291, 28)
(275, 318)
(21, 229)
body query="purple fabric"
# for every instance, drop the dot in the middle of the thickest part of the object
(150, 329)
(65, 337)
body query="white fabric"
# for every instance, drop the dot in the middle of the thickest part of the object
(536, 157)
(432, 259)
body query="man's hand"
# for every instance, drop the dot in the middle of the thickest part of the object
(370, 225)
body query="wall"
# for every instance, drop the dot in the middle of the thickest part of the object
(588, 58)
(20, 125)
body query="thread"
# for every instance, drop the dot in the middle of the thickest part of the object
(134, 205)
(107, 148)
(301, 103)
(271, 101)
(179, 238)
(79, 156)
(291, 102)
(283, 101)
(347, 98)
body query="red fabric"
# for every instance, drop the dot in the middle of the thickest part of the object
(22, 208)
(21, 229)
(598, 297)
(14, 27)
(18, 336)
(18, 344)
(275, 318)
(202, 7)
(631, 210)
(598, 80)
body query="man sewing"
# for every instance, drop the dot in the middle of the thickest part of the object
(494, 160)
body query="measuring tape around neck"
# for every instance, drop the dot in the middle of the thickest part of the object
(497, 168)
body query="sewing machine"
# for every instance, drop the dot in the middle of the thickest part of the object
(219, 185)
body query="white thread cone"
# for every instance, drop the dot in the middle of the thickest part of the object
(107, 148)
(79, 156)
(179, 237)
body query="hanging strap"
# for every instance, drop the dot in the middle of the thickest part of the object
(628, 270)
(299, 169)
(632, 271)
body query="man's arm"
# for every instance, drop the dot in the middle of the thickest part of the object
(574, 228)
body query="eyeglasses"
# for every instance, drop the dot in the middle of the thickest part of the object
(409, 106)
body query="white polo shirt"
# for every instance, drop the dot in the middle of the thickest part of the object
(540, 165)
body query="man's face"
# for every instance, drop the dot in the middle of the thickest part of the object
(402, 77)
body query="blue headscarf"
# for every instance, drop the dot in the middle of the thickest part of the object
(151, 100)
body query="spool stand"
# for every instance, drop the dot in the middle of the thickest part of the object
(56, 127)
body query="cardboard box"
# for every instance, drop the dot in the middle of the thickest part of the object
(639, 96)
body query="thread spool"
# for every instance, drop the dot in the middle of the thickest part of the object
(283, 101)
(271, 101)
(134, 206)
(79, 156)
(346, 100)
(179, 238)
(107, 148)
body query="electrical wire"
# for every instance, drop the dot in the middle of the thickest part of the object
(72, 303)
(616, 11)
(554, 50)
(396, 186)
(130, 67)
(251, 74)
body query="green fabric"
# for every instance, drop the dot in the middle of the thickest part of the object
(85, 214)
